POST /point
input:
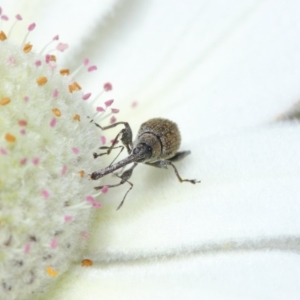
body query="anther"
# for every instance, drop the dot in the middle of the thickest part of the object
(4, 101)
(27, 48)
(42, 80)
(57, 112)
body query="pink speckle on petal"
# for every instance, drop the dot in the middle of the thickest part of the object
(31, 27)
(68, 218)
(4, 18)
(85, 235)
(115, 110)
(112, 120)
(54, 243)
(53, 122)
(3, 151)
(107, 86)
(56, 38)
(19, 17)
(55, 93)
(92, 68)
(97, 204)
(104, 190)
(35, 160)
(26, 98)
(86, 96)
(23, 161)
(75, 150)
(22, 123)
(99, 109)
(134, 104)
(62, 47)
(103, 140)
(86, 61)
(23, 131)
(38, 63)
(27, 248)
(45, 194)
(90, 199)
(109, 102)
(11, 60)
(64, 170)
(47, 58)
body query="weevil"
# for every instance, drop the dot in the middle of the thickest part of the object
(157, 143)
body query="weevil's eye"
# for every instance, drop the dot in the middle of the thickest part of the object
(136, 150)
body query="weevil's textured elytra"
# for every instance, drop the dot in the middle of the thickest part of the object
(157, 143)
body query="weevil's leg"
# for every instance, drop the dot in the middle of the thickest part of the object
(179, 156)
(126, 137)
(165, 163)
(124, 178)
(105, 148)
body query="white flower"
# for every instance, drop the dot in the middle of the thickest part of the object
(224, 71)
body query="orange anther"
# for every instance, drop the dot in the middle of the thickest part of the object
(27, 48)
(2, 36)
(64, 72)
(86, 262)
(10, 138)
(74, 87)
(51, 272)
(42, 80)
(57, 112)
(52, 58)
(76, 117)
(4, 101)
(81, 173)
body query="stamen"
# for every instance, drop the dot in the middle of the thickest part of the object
(3, 37)
(27, 48)
(4, 101)
(18, 18)
(30, 28)
(56, 38)
(86, 262)
(57, 112)
(42, 80)
(64, 72)
(51, 272)
(10, 138)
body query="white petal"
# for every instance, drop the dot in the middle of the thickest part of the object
(71, 20)
(249, 187)
(259, 275)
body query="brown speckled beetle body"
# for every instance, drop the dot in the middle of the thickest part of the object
(156, 145)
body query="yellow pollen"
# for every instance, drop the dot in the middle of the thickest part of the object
(86, 263)
(64, 72)
(27, 48)
(76, 117)
(51, 272)
(56, 111)
(81, 173)
(2, 36)
(4, 101)
(10, 138)
(42, 80)
(74, 87)
(52, 58)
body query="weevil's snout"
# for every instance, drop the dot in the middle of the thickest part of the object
(142, 152)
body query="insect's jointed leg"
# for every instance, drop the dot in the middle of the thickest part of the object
(165, 163)
(126, 135)
(124, 178)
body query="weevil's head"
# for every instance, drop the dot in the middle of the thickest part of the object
(142, 152)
